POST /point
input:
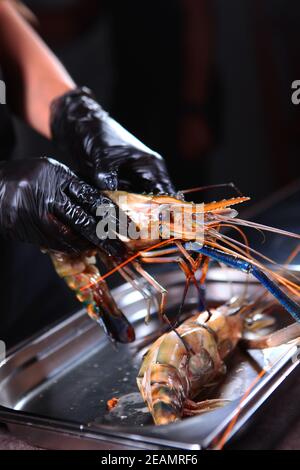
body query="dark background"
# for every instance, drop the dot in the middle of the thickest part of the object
(206, 83)
(142, 58)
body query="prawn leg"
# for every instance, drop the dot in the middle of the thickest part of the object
(161, 290)
(192, 408)
(134, 280)
(277, 338)
(205, 265)
(185, 268)
(203, 262)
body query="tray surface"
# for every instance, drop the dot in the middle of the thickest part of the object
(62, 380)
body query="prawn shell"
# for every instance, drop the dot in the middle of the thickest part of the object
(179, 365)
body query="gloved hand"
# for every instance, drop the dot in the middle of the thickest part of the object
(43, 202)
(107, 155)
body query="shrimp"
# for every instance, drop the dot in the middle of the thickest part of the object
(182, 362)
(183, 247)
(164, 240)
(79, 271)
(83, 276)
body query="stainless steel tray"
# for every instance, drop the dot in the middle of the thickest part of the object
(54, 388)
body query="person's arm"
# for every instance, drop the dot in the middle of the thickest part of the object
(38, 85)
(32, 73)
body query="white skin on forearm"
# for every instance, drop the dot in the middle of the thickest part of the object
(33, 75)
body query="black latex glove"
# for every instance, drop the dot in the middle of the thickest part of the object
(43, 202)
(107, 155)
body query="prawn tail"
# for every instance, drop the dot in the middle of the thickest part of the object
(163, 392)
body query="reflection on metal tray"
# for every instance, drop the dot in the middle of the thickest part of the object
(54, 389)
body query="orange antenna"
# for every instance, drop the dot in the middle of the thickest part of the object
(124, 263)
(213, 186)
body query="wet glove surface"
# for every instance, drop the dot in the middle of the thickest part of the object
(43, 202)
(107, 155)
